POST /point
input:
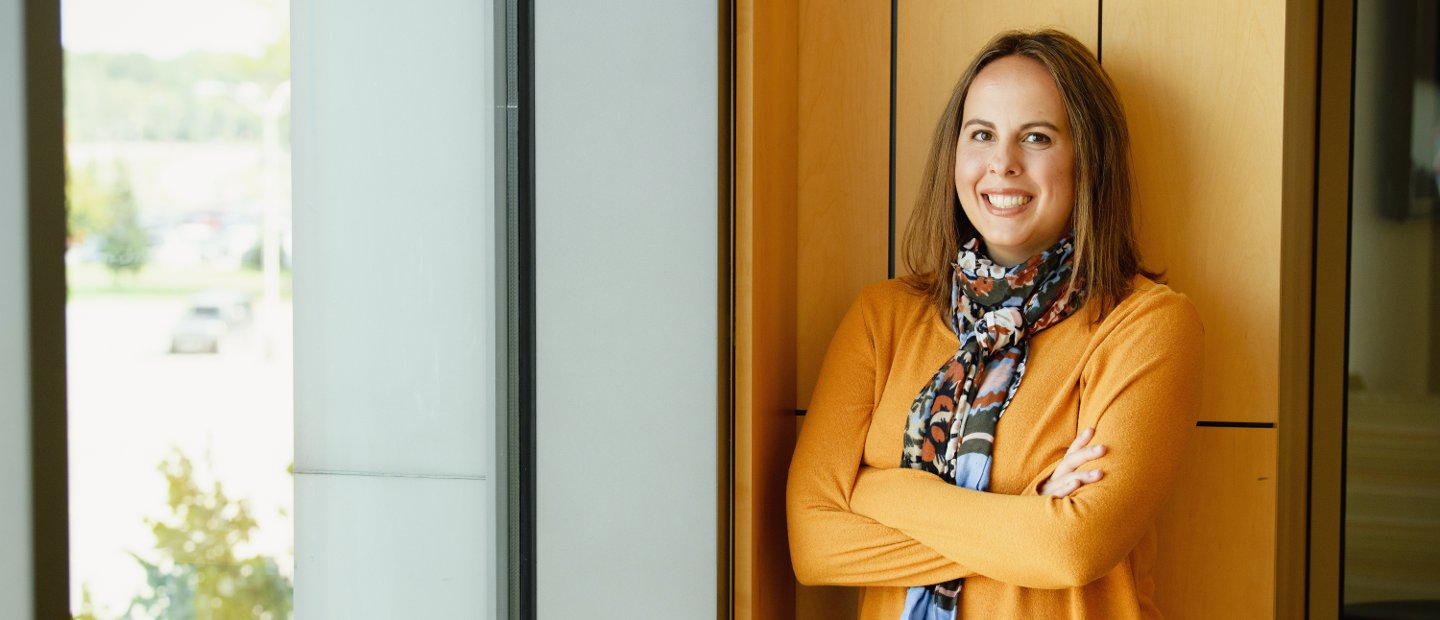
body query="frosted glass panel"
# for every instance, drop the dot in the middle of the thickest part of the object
(376, 547)
(626, 327)
(394, 288)
(394, 285)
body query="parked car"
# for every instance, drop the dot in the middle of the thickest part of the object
(212, 316)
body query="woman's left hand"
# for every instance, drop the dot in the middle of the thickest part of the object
(1068, 476)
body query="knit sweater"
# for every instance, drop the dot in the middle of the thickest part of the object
(857, 519)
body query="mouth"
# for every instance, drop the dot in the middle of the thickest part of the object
(1007, 201)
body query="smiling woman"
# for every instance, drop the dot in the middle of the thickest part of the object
(1023, 80)
(1022, 245)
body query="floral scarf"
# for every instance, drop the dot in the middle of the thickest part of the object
(950, 431)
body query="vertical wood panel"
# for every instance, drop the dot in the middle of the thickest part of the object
(1215, 534)
(1202, 85)
(844, 174)
(765, 220)
(935, 41)
(1297, 227)
(1332, 221)
(1223, 160)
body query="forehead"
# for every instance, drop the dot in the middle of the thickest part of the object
(1014, 87)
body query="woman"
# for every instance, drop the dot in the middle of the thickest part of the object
(1032, 309)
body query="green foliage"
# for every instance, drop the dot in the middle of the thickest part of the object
(89, 196)
(197, 97)
(254, 258)
(196, 573)
(125, 245)
(87, 605)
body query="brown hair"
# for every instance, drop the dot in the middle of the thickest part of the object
(1105, 254)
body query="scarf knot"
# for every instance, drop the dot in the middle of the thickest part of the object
(998, 329)
(950, 431)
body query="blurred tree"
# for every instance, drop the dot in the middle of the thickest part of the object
(87, 605)
(87, 202)
(251, 259)
(125, 245)
(196, 573)
(132, 97)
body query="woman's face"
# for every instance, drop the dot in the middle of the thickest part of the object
(1014, 162)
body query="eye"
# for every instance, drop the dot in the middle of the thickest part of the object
(982, 135)
(1036, 138)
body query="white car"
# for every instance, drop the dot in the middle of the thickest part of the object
(212, 316)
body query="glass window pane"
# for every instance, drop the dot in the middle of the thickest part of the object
(1392, 503)
(178, 317)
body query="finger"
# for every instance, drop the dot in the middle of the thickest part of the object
(1081, 439)
(1084, 477)
(1076, 455)
(1075, 460)
(1062, 489)
(1064, 485)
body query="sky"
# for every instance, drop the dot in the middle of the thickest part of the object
(169, 28)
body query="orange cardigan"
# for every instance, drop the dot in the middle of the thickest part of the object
(856, 519)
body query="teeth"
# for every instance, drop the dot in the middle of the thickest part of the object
(1007, 201)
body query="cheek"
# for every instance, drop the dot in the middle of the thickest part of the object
(968, 169)
(1060, 177)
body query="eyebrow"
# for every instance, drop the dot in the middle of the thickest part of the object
(989, 125)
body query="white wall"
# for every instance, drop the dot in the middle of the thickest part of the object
(15, 533)
(394, 307)
(626, 226)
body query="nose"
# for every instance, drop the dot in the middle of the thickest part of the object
(1004, 161)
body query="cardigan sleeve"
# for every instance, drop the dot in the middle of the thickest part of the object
(829, 543)
(1142, 388)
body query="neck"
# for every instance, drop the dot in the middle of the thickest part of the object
(1003, 258)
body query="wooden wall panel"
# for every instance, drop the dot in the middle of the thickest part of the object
(844, 178)
(764, 314)
(1202, 84)
(1332, 220)
(1223, 156)
(1301, 27)
(934, 42)
(1216, 534)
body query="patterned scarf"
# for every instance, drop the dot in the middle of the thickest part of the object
(950, 431)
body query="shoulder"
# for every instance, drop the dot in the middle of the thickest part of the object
(1151, 346)
(1152, 315)
(891, 300)
(890, 309)
(1151, 300)
(900, 291)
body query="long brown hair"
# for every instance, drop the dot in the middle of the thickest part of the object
(1106, 258)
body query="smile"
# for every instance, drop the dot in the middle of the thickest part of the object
(1007, 201)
